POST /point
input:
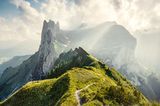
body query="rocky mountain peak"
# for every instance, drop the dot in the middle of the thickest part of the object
(47, 52)
(81, 51)
(49, 32)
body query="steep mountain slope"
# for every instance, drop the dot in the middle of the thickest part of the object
(115, 46)
(33, 68)
(15, 61)
(109, 42)
(81, 80)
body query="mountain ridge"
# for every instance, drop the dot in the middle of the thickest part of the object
(109, 42)
(88, 82)
(13, 62)
(32, 68)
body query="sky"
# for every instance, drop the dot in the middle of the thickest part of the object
(21, 20)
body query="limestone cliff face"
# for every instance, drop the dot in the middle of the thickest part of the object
(34, 68)
(47, 53)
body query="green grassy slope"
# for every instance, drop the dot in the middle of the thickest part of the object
(61, 91)
(81, 80)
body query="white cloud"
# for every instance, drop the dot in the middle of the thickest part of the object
(148, 48)
(135, 15)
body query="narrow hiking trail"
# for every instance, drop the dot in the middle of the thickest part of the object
(77, 94)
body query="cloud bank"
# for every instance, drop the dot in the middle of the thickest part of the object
(135, 15)
(138, 16)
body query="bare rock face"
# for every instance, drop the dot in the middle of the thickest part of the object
(100, 39)
(109, 42)
(47, 53)
(34, 68)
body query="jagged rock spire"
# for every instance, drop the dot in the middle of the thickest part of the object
(47, 53)
(49, 31)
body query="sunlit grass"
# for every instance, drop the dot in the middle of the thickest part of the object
(105, 86)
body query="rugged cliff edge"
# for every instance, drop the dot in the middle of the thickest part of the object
(109, 42)
(36, 66)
